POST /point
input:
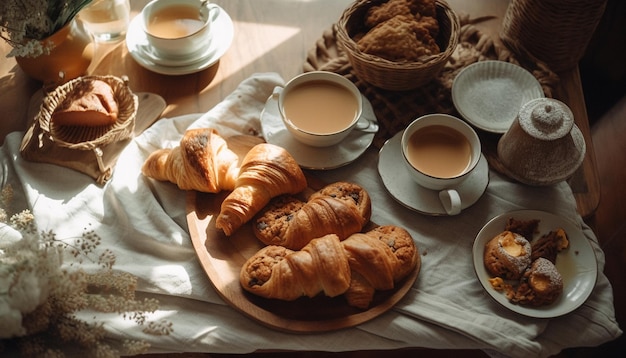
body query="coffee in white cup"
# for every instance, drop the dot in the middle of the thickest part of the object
(178, 28)
(319, 108)
(440, 152)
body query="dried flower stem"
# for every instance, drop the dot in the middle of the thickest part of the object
(39, 298)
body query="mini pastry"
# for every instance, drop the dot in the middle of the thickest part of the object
(507, 255)
(541, 284)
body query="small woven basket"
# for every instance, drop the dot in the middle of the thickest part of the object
(90, 150)
(555, 32)
(87, 138)
(390, 75)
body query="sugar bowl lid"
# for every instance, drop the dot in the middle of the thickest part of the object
(546, 119)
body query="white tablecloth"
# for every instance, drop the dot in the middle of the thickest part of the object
(144, 223)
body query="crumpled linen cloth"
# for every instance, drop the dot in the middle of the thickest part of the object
(143, 222)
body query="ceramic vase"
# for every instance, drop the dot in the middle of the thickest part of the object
(69, 58)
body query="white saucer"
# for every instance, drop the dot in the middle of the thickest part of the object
(309, 157)
(408, 193)
(576, 264)
(489, 94)
(138, 48)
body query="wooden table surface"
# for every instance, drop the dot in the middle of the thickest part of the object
(270, 36)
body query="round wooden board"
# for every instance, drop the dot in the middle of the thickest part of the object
(222, 258)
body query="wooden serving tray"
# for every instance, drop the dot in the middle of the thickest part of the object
(222, 258)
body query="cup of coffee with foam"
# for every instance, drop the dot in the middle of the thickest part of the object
(177, 29)
(440, 152)
(319, 108)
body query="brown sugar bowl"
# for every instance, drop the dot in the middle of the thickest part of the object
(543, 146)
(395, 75)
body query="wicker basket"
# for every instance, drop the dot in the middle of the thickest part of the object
(91, 150)
(390, 75)
(87, 138)
(556, 32)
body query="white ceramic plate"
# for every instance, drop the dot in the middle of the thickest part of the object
(577, 264)
(489, 94)
(407, 192)
(138, 48)
(351, 148)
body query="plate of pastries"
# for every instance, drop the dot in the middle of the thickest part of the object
(278, 245)
(535, 263)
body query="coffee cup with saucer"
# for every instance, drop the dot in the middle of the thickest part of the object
(435, 165)
(319, 108)
(320, 158)
(440, 152)
(178, 30)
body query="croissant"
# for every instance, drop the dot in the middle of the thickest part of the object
(355, 267)
(201, 162)
(340, 208)
(266, 171)
(378, 260)
(278, 272)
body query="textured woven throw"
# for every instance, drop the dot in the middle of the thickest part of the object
(396, 109)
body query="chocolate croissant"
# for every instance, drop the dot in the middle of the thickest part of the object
(355, 267)
(340, 208)
(201, 162)
(267, 171)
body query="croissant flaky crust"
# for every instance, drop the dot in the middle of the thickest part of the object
(340, 208)
(355, 267)
(267, 171)
(201, 162)
(281, 273)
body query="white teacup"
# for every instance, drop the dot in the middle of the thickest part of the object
(319, 108)
(177, 29)
(440, 152)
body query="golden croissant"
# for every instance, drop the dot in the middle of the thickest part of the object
(340, 208)
(266, 171)
(356, 267)
(201, 162)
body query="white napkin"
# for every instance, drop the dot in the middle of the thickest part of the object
(143, 222)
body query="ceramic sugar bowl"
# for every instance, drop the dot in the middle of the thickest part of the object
(543, 145)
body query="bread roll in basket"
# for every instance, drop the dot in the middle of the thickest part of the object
(90, 149)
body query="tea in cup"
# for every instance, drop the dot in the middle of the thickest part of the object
(440, 152)
(319, 108)
(178, 28)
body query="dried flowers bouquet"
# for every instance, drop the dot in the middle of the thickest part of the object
(40, 296)
(25, 23)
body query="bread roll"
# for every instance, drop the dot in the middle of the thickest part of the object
(90, 103)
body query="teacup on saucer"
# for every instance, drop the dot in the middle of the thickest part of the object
(178, 29)
(137, 45)
(320, 158)
(403, 188)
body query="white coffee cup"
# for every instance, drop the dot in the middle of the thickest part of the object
(172, 29)
(319, 108)
(440, 152)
